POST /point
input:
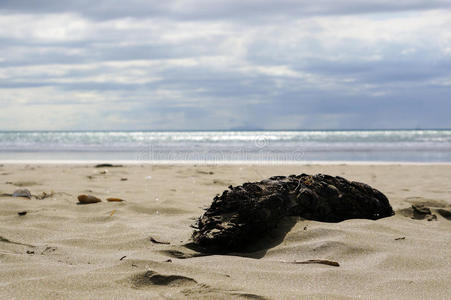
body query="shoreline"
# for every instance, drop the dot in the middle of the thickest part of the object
(217, 163)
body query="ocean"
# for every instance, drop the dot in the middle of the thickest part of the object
(227, 146)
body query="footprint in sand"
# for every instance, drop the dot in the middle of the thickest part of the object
(426, 209)
(150, 278)
(188, 286)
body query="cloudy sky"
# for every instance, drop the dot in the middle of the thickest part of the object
(226, 64)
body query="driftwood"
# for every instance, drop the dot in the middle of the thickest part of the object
(246, 212)
(107, 166)
(316, 261)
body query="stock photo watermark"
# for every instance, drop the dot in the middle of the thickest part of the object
(260, 151)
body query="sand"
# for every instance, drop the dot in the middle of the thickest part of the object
(63, 250)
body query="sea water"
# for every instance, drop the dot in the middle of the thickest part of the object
(228, 146)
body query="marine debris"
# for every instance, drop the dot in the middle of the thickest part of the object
(243, 213)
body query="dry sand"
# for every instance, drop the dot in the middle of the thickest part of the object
(63, 250)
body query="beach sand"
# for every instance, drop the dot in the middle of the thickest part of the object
(103, 251)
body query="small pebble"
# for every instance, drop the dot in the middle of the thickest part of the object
(22, 193)
(124, 179)
(87, 199)
(114, 199)
(22, 213)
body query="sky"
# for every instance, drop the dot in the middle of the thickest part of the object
(225, 64)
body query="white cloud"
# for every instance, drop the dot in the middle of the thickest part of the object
(160, 66)
(44, 28)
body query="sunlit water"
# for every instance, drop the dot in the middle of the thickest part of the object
(229, 146)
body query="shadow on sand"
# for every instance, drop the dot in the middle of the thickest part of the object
(256, 248)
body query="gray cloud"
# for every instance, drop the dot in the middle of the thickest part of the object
(224, 64)
(208, 10)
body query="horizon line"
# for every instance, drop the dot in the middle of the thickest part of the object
(222, 130)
